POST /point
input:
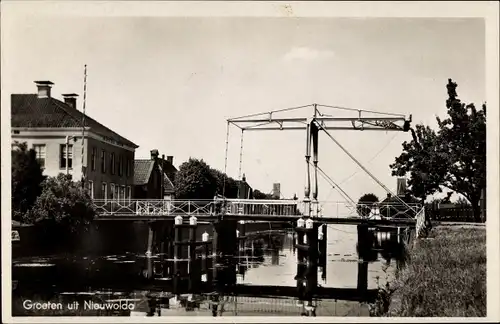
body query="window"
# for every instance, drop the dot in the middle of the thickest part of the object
(120, 165)
(117, 194)
(112, 192)
(103, 161)
(104, 191)
(66, 156)
(40, 153)
(122, 193)
(129, 193)
(112, 163)
(93, 158)
(129, 167)
(91, 189)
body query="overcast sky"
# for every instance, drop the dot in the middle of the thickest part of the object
(170, 83)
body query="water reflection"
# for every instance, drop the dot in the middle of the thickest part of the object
(259, 280)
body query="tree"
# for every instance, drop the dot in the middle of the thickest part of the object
(454, 157)
(257, 194)
(27, 177)
(62, 203)
(364, 204)
(195, 180)
(231, 186)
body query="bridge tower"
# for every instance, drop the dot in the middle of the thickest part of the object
(312, 253)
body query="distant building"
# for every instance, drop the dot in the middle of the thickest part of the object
(169, 172)
(392, 206)
(44, 123)
(276, 191)
(150, 178)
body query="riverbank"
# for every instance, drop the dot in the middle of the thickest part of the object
(446, 275)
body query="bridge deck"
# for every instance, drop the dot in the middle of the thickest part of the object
(256, 210)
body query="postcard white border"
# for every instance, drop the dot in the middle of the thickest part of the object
(486, 9)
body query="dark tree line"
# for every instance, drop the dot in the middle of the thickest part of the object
(197, 180)
(452, 157)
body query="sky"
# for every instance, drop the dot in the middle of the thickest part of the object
(170, 83)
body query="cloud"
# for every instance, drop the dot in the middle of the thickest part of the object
(307, 54)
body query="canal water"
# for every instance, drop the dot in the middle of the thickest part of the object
(85, 285)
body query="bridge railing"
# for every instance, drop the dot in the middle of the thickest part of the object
(162, 207)
(153, 207)
(262, 207)
(342, 209)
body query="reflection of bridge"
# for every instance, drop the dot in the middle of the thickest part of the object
(256, 210)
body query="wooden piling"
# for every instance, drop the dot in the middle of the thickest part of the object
(322, 247)
(178, 222)
(231, 247)
(301, 261)
(362, 276)
(363, 241)
(149, 252)
(204, 257)
(215, 253)
(193, 269)
(241, 235)
(312, 258)
(363, 253)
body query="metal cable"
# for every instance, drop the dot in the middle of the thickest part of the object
(361, 166)
(360, 110)
(83, 123)
(225, 162)
(241, 153)
(373, 158)
(336, 186)
(270, 112)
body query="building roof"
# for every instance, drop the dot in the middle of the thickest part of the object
(168, 186)
(142, 171)
(169, 169)
(28, 110)
(168, 172)
(395, 200)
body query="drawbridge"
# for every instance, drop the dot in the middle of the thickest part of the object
(313, 120)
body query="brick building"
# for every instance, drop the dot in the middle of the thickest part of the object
(152, 176)
(53, 128)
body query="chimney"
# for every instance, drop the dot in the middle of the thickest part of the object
(43, 88)
(401, 188)
(70, 99)
(154, 154)
(170, 159)
(276, 190)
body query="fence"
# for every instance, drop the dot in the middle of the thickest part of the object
(452, 213)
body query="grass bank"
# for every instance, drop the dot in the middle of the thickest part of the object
(445, 276)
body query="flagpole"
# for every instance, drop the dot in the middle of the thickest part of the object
(83, 123)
